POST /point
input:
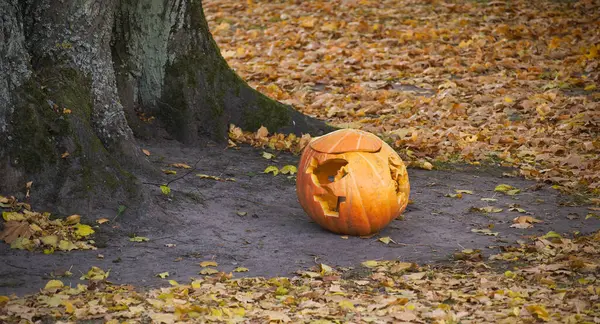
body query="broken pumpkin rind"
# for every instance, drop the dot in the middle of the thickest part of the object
(354, 186)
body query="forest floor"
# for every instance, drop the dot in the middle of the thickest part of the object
(488, 93)
(254, 226)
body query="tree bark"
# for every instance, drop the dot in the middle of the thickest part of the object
(80, 79)
(169, 66)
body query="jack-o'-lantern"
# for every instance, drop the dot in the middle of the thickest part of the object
(351, 182)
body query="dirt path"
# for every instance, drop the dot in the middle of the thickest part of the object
(275, 237)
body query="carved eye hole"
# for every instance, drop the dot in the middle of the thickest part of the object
(331, 171)
(326, 173)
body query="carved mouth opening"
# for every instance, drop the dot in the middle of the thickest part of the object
(326, 173)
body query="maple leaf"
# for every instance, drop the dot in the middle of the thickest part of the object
(13, 230)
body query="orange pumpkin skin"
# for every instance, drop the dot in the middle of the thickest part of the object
(351, 182)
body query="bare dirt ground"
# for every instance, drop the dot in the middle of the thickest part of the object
(201, 221)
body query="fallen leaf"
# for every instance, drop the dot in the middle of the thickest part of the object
(139, 239)
(180, 165)
(386, 240)
(163, 275)
(165, 190)
(272, 169)
(489, 199)
(13, 230)
(208, 271)
(370, 263)
(12, 216)
(72, 220)
(241, 269)
(82, 230)
(538, 311)
(485, 231)
(262, 132)
(208, 264)
(267, 156)
(54, 284)
(288, 169)
(507, 189)
(486, 209)
(96, 274)
(464, 191)
(146, 152)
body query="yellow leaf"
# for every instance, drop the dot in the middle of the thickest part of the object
(346, 304)
(426, 165)
(3, 300)
(196, 284)
(370, 263)
(325, 269)
(35, 228)
(208, 271)
(139, 239)
(102, 220)
(169, 171)
(162, 275)
(241, 269)
(267, 156)
(165, 190)
(464, 191)
(65, 245)
(538, 311)
(509, 274)
(590, 87)
(146, 152)
(173, 283)
(272, 169)
(507, 189)
(82, 230)
(551, 234)
(95, 273)
(490, 209)
(180, 165)
(208, 264)
(12, 216)
(386, 240)
(289, 169)
(51, 240)
(72, 220)
(69, 308)
(508, 100)
(65, 155)
(54, 284)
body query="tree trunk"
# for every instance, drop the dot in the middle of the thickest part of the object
(80, 79)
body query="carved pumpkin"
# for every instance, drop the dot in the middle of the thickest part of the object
(351, 182)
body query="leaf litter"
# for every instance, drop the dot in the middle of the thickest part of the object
(550, 278)
(25, 229)
(476, 81)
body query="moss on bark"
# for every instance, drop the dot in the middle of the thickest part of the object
(53, 117)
